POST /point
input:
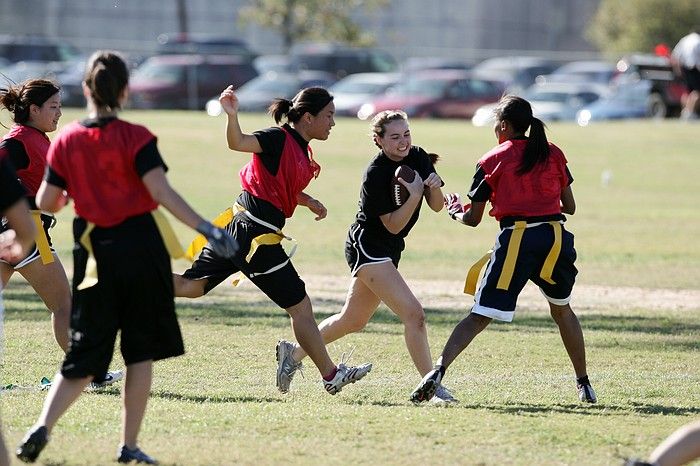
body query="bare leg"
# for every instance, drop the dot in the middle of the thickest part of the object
(360, 305)
(186, 288)
(681, 447)
(4, 458)
(136, 391)
(51, 284)
(571, 335)
(307, 334)
(62, 394)
(462, 335)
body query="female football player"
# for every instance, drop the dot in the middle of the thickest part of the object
(529, 186)
(273, 183)
(122, 279)
(374, 245)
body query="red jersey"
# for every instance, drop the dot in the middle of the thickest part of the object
(533, 194)
(98, 166)
(36, 145)
(294, 174)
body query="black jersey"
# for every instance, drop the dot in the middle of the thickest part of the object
(11, 190)
(376, 196)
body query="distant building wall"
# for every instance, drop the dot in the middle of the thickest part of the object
(471, 29)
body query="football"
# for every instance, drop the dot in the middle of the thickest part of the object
(399, 193)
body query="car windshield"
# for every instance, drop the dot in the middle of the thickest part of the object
(170, 74)
(420, 87)
(359, 87)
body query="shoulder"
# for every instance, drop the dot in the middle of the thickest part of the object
(555, 151)
(497, 153)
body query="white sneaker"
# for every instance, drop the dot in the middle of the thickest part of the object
(443, 396)
(586, 394)
(110, 378)
(286, 366)
(345, 375)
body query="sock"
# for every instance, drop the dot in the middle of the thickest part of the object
(330, 376)
(583, 380)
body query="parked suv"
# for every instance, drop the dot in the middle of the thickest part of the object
(35, 48)
(666, 88)
(186, 81)
(340, 60)
(202, 44)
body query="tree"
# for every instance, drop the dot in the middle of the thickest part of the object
(327, 20)
(621, 26)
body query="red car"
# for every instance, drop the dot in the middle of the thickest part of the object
(437, 94)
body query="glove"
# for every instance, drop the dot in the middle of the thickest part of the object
(220, 242)
(454, 205)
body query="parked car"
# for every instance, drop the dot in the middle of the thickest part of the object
(550, 101)
(413, 64)
(202, 44)
(592, 71)
(624, 102)
(666, 89)
(36, 48)
(435, 93)
(277, 63)
(516, 73)
(186, 81)
(351, 92)
(257, 94)
(340, 60)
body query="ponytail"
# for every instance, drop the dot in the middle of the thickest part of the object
(537, 148)
(106, 75)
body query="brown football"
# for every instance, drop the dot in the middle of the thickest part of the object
(399, 193)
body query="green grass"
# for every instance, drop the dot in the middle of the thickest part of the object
(217, 405)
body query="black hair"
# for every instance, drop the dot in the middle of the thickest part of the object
(17, 99)
(518, 112)
(311, 99)
(106, 75)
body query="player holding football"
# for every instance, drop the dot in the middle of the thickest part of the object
(529, 186)
(273, 183)
(36, 108)
(374, 245)
(122, 279)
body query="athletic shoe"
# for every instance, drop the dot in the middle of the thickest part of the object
(443, 396)
(586, 393)
(127, 455)
(427, 387)
(286, 366)
(33, 443)
(345, 375)
(636, 462)
(110, 378)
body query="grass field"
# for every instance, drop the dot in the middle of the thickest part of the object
(638, 299)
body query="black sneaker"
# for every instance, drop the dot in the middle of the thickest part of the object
(33, 443)
(127, 455)
(636, 462)
(427, 387)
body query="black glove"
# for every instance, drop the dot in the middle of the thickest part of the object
(220, 242)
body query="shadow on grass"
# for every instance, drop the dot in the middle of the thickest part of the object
(214, 398)
(597, 409)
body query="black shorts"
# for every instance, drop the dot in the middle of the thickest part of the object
(284, 286)
(535, 245)
(691, 76)
(48, 222)
(362, 249)
(134, 294)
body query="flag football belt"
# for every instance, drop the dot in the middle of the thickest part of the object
(512, 257)
(266, 239)
(172, 245)
(41, 240)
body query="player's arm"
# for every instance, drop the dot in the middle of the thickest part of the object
(433, 192)
(568, 203)
(396, 221)
(235, 137)
(50, 197)
(314, 205)
(14, 243)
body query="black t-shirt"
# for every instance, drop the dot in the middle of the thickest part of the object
(376, 196)
(16, 152)
(272, 142)
(11, 190)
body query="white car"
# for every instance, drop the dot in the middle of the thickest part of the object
(550, 101)
(351, 92)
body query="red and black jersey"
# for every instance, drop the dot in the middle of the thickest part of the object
(294, 170)
(533, 194)
(100, 164)
(11, 190)
(27, 147)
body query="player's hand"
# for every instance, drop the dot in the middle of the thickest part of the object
(10, 250)
(453, 202)
(433, 181)
(318, 208)
(229, 101)
(220, 242)
(415, 187)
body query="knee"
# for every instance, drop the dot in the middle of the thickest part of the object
(186, 288)
(559, 312)
(352, 325)
(415, 317)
